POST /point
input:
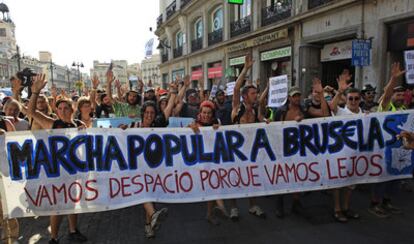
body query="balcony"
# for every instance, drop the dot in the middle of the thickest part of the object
(164, 58)
(184, 3)
(276, 13)
(215, 37)
(178, 52)
(240, 26)
(196, 44)
(316, 3)
(171, 9)
(159, 21)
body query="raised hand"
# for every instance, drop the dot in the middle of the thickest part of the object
(110, 77)
(343, 80)
(54, 91)
(201, 82)
(39, 82)
(317, 85)
(117, 83)
(187, 81)
(248, 62)
(396, 70)
(95, 82)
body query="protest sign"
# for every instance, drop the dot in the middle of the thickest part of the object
(278, 91)
(113, 122)
(409, 66)
(70, 171)
(213, 92)
(230, 88)
(179, 122)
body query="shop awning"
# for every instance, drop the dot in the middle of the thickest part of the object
(196, 74)
(215, 72)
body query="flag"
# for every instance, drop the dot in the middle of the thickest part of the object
(148, 47)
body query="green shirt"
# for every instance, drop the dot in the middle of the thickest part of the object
(126, 110)
(391, 107)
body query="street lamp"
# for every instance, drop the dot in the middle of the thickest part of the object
(52, 67)
(77, 64)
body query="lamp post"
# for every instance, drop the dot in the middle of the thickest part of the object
(77, 64)
(52, 67)
(68, 74)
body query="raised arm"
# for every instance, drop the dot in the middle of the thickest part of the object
(342, 86)
(179, 99)
(109, 80)
(95, 85)
(201, 86)
(239, 83)
(262, 102)
(396, 72)
(119, 93)
(39, 83)
(318, 89)
(171, 101)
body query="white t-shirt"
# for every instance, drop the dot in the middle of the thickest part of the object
(346, 111)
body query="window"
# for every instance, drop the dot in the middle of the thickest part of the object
(217, 19)
(242, 11)
(179, 39)
(198, 29)
(2, 32)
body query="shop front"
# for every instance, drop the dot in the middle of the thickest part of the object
(236, 66)
(276, 62)
(335, 58)
(196, 74)
(214, 74)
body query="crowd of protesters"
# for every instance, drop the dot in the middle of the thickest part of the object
(152, 107)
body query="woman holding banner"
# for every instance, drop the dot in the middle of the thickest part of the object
(206, 117)
(65, 120)
(150, 118)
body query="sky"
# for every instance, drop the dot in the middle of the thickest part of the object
(84, 30)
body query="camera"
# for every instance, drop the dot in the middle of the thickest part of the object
(26, 76)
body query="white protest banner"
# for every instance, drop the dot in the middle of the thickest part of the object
(409, 66)
(230, 88)
(278, 91)
(70, 171)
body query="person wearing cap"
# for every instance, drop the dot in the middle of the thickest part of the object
(245, 112)
(149, 94)
(130, 108)
(391, 101)
(368, 103)
(393, 97)
(223, 107)
(293, 110)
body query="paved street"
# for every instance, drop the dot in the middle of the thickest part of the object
(186, 224)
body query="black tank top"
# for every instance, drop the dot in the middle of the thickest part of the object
(60, 124)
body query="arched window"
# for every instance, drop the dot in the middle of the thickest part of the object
(179, 39)
(217, 19)
(198, 29)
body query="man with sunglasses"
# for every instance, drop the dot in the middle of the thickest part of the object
(368, 103)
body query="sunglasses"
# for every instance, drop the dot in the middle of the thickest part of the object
(354, 99)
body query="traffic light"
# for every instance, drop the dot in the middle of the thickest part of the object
(240, 2)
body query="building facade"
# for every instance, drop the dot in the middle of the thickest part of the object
(302, 39)
(8, 46)
(150, 70)
(120, 70)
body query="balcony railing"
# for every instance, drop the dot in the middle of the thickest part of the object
(316, 3)
(178, 52)
(159, 21)
(240, 26)
(215, 37)
(196, 44)
(171, 9)
(164, 58)
(184, 3)
(276, 12)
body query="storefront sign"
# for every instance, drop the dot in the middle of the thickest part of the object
(409, 66)
(215, 72)
(337, 51)
(277, 53)
(237, 61)
(278, 91)
(196, 74)
(361, 50)
(259, 40)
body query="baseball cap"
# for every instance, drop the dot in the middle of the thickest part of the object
(294, 90)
